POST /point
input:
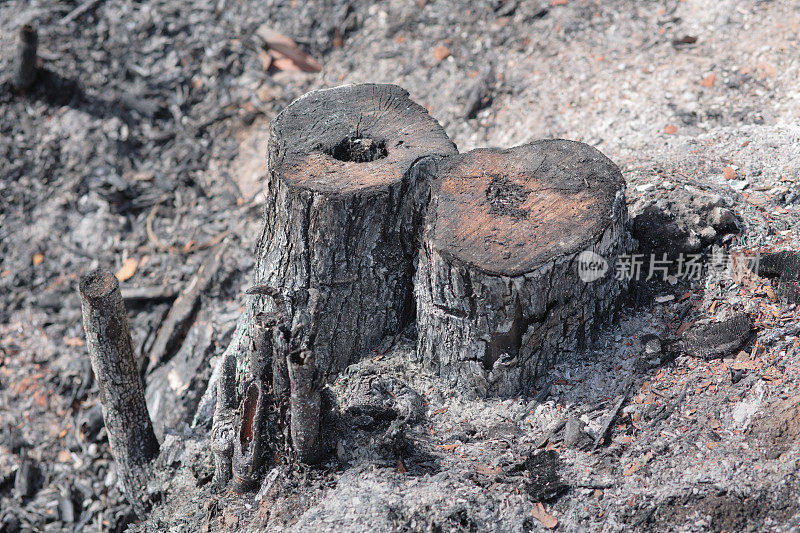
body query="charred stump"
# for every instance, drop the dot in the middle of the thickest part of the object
(130, 431)
(26, 68)
(505, 282)
(348, 180)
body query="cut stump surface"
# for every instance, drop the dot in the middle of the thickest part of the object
(348, 182)
(499, 291)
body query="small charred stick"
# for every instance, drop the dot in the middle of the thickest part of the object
(26, 68)
(305, 406)
(223, 430)
(130, 431)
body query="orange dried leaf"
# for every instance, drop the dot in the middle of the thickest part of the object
(487, 470)
(709, 80)
(669, 129)
(64, 456)
(74, 342)
(440, 411)
(128, 269)
(401, 467)
(547, 520)
(37, 258)
(40, 398)
(441, 52)
(449, 447)
(729, 173)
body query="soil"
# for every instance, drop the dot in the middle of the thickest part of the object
(144, 139)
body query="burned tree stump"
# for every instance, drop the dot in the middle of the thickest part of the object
(499, 290)
(348, 180)
(130, 431)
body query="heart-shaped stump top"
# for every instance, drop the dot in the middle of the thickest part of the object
(500, 290)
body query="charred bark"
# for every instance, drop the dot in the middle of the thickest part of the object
(26, 69)
(130, 431)
(305, 407)
(348, 179)
(499, 291)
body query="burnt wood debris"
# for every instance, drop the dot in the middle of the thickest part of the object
(374, 222)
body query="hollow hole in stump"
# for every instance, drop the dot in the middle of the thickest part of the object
(248, 416)
(506, 197)
(299, 357)
(358, 149)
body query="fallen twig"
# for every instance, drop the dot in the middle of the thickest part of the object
(180, 317)
(613, 414)
(669, 410)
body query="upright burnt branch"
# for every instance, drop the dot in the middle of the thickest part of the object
(223, 429)
(130, 431)
(26, 68)
(305, 407)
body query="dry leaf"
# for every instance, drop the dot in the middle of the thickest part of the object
(441, 52)
(547, 520)
(279, 42)
(64, 456)
(559, 2)
(128, 269)
(266, 59)
(37, 259)
(709, 80)
(264, 93)
(669, 129)
(440, 411)
(633, 468)
(449, 447)
(487, 470)
(74, 342)
(729, 173)
(401, 467)
(40, 398)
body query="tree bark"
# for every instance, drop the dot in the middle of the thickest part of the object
(499, 293)
(348, 180)
(130, 431)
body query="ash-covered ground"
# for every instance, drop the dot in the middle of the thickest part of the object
(142, 144)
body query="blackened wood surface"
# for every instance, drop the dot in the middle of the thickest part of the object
(498, 291)
(348, 180)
